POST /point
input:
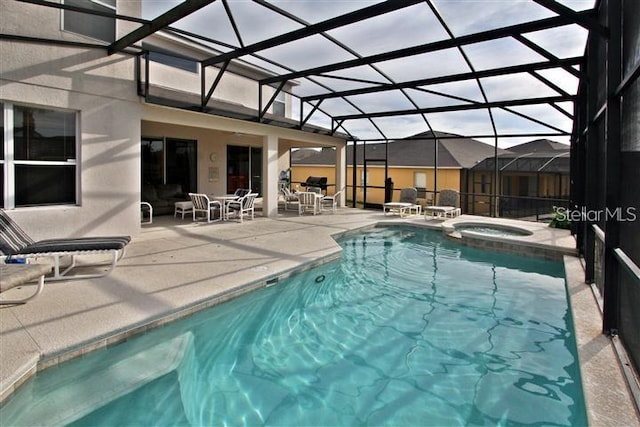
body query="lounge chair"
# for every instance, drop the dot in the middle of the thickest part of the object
(17, 245)
(242, 207)
(407, 205)
(12, 275)
(203, 205)
(448, 205)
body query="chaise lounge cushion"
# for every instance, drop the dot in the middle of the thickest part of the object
(75, 245)
(15, 242)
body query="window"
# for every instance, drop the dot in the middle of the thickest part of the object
(38, 156)
(364, 179)
(279, 104)
(169, 161)
(420, 183)
(162, 56)
(484, 184)
(94, 26)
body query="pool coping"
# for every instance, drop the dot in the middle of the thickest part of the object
(602, 359)
(32, 363)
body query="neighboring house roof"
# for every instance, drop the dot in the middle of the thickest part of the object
(539, 146)
(550, 162)
(541, 155)
(417, 151)
(313, 156)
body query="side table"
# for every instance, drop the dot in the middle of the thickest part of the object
(182, 208)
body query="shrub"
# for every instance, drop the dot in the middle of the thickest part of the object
(559, 219)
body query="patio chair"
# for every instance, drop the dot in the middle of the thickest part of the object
(309, 201)
(203, 205)
(16, 244)
(290, 198)
(242, 207)
(241, 192)
(408, 203)
(448, 205)
(330, 203)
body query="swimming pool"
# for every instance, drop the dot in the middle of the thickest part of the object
(407, 328)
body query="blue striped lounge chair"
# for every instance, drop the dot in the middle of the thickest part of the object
(15, 244)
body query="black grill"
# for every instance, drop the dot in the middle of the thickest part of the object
(316, 181)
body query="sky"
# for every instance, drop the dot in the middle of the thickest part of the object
(410, 26)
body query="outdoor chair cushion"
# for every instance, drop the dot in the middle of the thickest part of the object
(73, 245)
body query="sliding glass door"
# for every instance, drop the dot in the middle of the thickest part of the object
(170, 161)
(244, 168)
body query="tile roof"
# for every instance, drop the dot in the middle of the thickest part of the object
(417, 151)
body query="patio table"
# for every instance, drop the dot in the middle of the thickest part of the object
(224, 200)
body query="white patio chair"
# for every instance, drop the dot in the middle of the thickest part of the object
(330, 203)
(242, 207)
(203, 205)
(308, 201)
(241, 192)
(290, 199)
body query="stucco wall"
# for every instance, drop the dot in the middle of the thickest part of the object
(209, 141)
(233, 87)
(402, 178)
(101, 89)
(300, 174)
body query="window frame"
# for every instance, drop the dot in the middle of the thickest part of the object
(9, 162)
(420, 177)
(100, 3)
(170, 59)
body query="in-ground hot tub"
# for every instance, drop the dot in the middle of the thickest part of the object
(485, 228)
(506, 236)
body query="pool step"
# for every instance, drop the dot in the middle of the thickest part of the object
(79, 398)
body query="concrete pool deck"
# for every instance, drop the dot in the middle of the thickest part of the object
(175, 267)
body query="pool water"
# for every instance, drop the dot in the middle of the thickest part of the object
(407, 328)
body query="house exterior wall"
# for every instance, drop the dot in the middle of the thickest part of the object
(214, 134)
(111, 119)
(402, 177)
(209, 141)
(101, 90)
(233, 87)
(300, 174)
